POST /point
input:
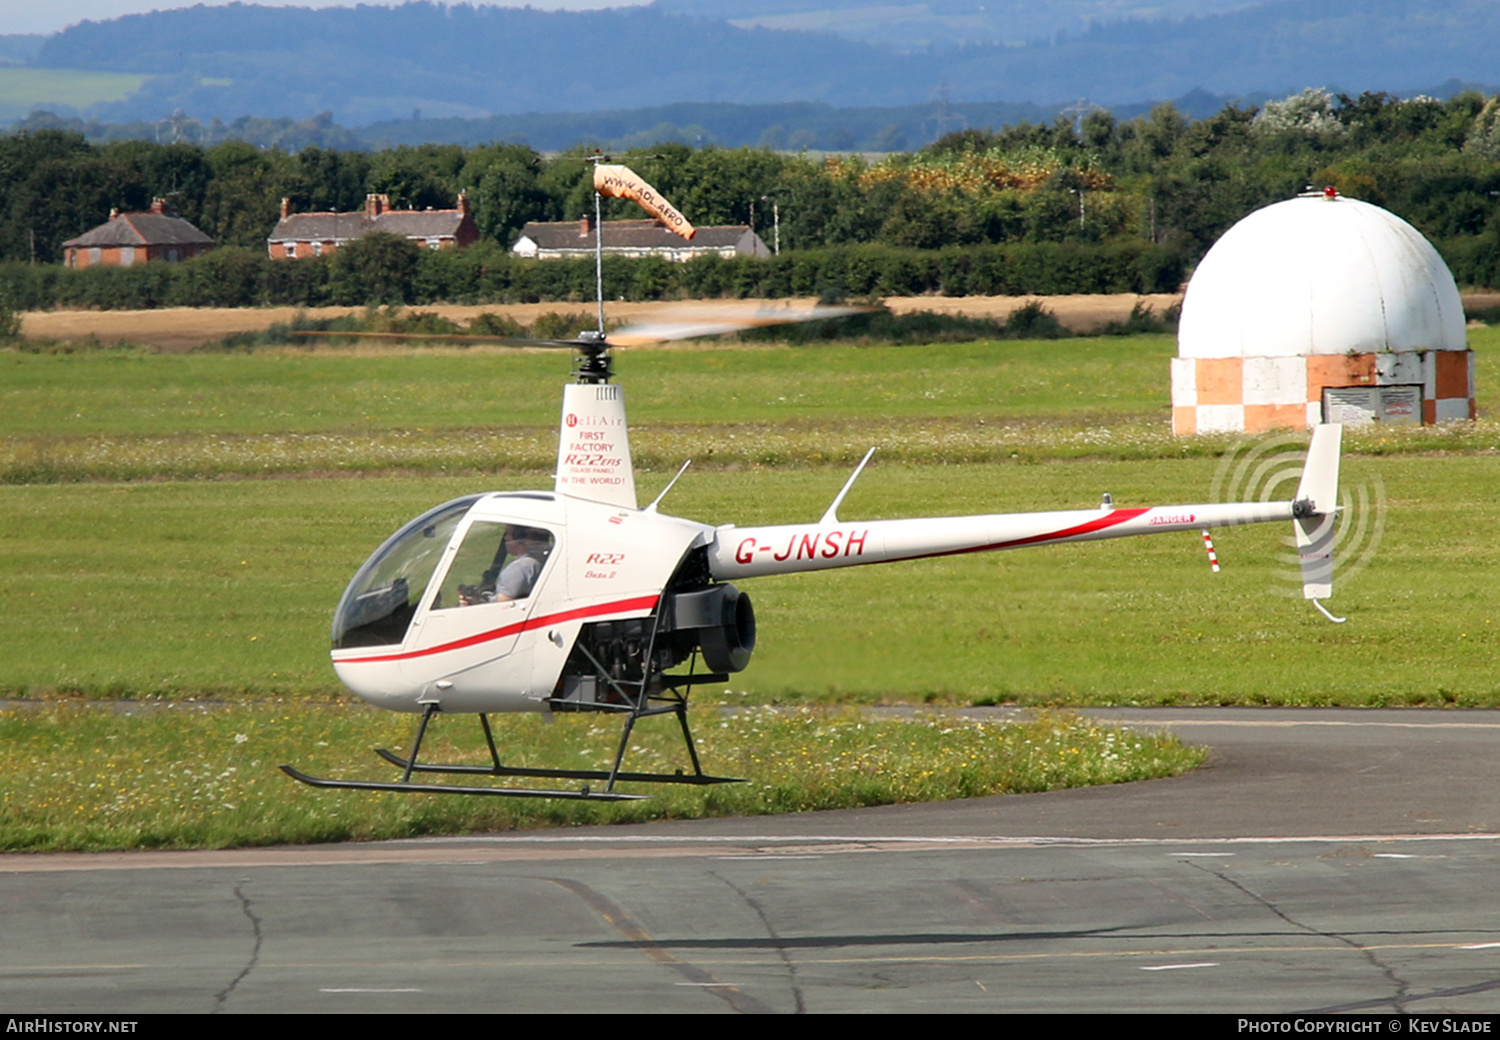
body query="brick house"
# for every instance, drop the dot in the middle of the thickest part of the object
(156, 236)
(635, 238)
(299, 235)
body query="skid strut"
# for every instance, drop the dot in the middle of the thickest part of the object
(678, 706)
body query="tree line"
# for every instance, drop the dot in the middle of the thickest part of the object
(383, 269)
(1006, 210)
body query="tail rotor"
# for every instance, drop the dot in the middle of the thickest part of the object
(1337, 528)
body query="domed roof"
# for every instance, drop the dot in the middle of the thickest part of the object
(1320, 275)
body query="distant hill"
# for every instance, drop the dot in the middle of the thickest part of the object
(792, 126)
(19, 49)
(908, 26)
(372, 64)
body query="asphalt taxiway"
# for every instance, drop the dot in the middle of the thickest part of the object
(1322, 860)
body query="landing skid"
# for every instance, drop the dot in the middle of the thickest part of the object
(556, 774)
(584, 793)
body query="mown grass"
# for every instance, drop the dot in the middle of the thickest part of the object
(379, 389)
(204, 776)
(133, 415)
(180, 589)
(663, 448)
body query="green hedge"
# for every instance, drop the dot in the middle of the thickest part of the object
(235, 277)
(1474, 261)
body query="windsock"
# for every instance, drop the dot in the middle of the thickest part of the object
(621, 182)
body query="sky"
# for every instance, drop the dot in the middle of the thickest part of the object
(29, 16)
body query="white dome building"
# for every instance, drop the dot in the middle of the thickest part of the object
(1320, 309)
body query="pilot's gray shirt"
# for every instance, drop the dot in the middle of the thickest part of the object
(519, 577)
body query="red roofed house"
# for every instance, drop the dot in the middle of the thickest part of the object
(550, 241)
(137, 238)
(316, 234)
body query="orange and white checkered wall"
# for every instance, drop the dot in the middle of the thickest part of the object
(1249, 394)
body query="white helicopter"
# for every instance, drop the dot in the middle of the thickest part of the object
(578, 599)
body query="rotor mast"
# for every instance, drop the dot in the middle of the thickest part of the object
(592, 365)
(599, 256)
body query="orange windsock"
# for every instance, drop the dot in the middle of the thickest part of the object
(621, 182)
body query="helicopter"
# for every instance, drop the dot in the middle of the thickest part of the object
(578, 599)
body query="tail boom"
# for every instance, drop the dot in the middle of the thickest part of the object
(746, 552)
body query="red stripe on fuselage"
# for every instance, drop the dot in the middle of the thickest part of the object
(639, 603)
(1115, 518)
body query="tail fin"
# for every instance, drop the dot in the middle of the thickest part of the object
(1314, 510)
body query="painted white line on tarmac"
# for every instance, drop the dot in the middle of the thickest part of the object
(875, 841)
(1289, 723)
(367, 989)
(1175, 967)
(437, 850)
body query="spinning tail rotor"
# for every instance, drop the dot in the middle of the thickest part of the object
(1336, 526)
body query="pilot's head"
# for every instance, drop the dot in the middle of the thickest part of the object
(520, 539)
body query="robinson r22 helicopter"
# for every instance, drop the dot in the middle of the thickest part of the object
(578, 599)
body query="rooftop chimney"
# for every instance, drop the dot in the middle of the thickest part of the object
(585, 226)
(286, 207)
(158, 205)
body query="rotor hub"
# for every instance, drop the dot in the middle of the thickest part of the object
(592, 363)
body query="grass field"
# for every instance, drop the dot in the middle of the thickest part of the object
(133, 415)
(175, 587)
(23, 89)
(186, 588)
(192, 776)
(178, 527)
(129, 393)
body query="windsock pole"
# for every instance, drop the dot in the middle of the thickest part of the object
(1213, 557)
(599, 260)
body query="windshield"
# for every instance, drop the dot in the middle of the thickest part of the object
(379, 603)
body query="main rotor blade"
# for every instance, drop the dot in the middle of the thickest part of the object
(687, 322)
(447, 337)
(555, 344)
(719, 319)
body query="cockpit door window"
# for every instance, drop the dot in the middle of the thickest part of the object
(497, 562)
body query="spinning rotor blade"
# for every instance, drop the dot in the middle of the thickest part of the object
(552, 344)
(718, 320)
(686, 322)
(445, 337)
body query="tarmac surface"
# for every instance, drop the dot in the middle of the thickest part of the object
(1323, 860)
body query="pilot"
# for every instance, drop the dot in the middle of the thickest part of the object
(527, 548)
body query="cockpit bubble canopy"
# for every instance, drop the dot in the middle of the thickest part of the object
(379, 603)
